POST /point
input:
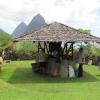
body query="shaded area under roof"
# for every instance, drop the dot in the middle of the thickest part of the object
(56, 32)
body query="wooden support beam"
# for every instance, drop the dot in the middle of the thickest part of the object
(72, 50)
(65, 48)
(69, 49)
(39, 46)
(46, 47)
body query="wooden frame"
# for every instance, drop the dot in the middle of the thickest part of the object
(67, 50)
(45, 47)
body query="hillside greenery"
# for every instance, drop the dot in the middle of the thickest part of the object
(5, 38)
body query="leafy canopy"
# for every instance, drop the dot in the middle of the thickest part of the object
(87, 31)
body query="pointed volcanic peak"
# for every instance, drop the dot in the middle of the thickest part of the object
(20, 30)
(37, 22)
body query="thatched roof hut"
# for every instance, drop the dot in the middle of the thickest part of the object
(56, 32)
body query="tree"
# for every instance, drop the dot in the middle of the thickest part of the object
(88, 46)
(86, 31)
(92, 50)
(4, 40)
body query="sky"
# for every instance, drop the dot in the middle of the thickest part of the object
(75, 13)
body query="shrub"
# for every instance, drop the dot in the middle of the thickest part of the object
(25, 47)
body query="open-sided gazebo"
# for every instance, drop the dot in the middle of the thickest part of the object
(57, 32)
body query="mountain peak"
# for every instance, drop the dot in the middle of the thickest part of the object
(20, 29)
(38, 16)
(37, 22)
(22, 23)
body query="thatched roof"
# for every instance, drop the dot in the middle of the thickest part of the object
(58, 32)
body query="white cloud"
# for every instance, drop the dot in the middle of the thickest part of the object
(77, 13)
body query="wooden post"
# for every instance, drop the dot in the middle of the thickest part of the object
(65, 48)
(72, 50)
(46, 47)
(39, 46)
(69, 49)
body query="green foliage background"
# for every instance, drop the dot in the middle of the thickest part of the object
(24, 47)
(90, 48)
(5, 38)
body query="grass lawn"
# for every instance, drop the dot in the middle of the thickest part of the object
(17, 82)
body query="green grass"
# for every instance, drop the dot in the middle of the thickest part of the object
(17, 82)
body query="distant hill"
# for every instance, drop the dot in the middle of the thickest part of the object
(5, 38)
(1, 31)
(37, 22)
(20, 30)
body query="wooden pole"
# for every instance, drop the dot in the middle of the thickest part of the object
(46, 47)
(72, 50)
(38, 47)
(66, 47)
